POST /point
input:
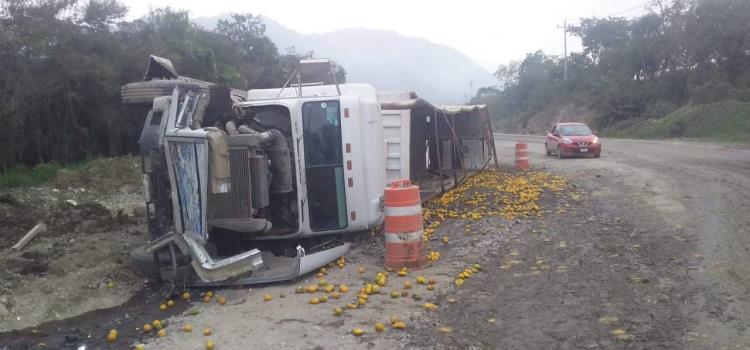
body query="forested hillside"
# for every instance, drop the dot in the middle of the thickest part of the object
(63, 62)
(633, 71)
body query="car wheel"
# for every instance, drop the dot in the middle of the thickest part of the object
(546, 149)
(559, 153)
(597, 155)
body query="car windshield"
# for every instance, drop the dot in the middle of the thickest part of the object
(574, 130)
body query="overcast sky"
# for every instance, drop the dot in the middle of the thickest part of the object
(490, 32)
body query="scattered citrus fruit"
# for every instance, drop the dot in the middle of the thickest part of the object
(207, 331)
(379, 327)
(314, 301)
(407, 285)
(421, 280)
(394, 294)
(157, 324)
(344, 288)
(186, 296)
(399, 325)
(161, 333)
(140, 347)
(112, 336)
(187, 328)
(209, 345)
(357, 331)
(163, 307)
(338, 311)
(267, 297)
(361, 269)
(147, 328)
(170, 303)
(222, 300)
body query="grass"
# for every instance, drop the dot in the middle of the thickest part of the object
(726, 122)
(23, 176)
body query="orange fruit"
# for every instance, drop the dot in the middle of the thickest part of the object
(314, 301)
(147, 328)
(407, 285)
(186, 296)
(209, 345)
(399, 325)
(361, 269)
(187, 328)
(163, 307)
(210, 294)
(421, 280)
(395, 319)
(170, 303)
(157, 324)
(335, 295)
(221, 300)
(357, 332)
(161, 333)
(112, 336)
(379, 327)
(338, 311)
(206, 299)
(267, 297)
(344, 288)
(206, 331)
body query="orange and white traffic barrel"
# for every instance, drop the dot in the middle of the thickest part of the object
(522, 155)
(404, 245)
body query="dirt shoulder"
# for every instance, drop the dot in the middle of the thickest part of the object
(94, 216)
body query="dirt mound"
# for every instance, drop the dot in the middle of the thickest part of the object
(61, 217)
(102, 175)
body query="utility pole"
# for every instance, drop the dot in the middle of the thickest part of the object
(565, 47)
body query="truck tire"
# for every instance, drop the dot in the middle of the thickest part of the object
(145, 92)
(144, 261)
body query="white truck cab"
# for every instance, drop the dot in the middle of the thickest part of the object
(261, 187)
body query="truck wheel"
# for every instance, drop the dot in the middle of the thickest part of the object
(145, 92)
(144, 261)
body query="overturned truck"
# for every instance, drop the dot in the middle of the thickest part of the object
(244, 190)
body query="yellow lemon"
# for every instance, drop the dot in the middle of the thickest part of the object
(379, 327)
(357, 332)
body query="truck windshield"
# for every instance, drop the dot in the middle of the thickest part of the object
(324, 165)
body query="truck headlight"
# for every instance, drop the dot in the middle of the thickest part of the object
(596, 140)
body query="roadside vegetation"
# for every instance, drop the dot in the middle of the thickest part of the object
(681, 70)
(25, 176)
(63, 62)
(727, 121)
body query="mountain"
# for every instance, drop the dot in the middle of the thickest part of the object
(387, 60)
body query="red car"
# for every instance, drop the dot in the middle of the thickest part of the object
(572, 139)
